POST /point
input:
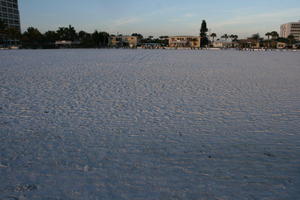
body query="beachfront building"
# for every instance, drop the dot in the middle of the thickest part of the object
(224, 44)
(292, 28)
(184, 41)
(9, 13)
(281, 45)
(273, 44)
(123, 41)
(249, 44)
(296, 46)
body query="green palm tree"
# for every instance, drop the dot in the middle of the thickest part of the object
(225, 36)
(231, 36)
(236, 37)
(67, 33)
(268, 34)
(274, 35)
(213, 35)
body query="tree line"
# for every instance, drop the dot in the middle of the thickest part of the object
(33, 38)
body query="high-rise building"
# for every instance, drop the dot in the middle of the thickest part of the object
(9, 13)
(292, 28)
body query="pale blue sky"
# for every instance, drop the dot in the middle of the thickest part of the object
(160, 17)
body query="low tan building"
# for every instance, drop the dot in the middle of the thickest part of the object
(249, 43)
(123, 41)
(281, 45)
(224, 44)
(184, 41)
(296, 46)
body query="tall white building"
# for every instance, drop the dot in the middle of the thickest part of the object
(292, 28)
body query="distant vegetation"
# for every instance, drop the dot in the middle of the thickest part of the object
(33, 38)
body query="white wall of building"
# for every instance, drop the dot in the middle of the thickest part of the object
(292, 28)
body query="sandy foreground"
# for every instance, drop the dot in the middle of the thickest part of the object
(149, 124)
